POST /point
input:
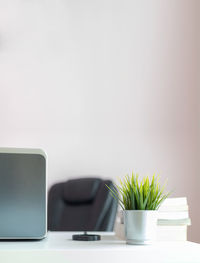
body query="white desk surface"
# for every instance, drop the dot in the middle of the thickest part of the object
(58, 247)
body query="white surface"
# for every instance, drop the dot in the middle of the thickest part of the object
(58, 247)
(104, 86)
(171, 202)
(174, 215)
(164, 233)
(174, 204)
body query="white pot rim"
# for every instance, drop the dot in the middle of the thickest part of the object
(140, 211)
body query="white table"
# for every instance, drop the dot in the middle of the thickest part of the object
(58, 247)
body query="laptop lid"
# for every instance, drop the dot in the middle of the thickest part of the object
(22, 193)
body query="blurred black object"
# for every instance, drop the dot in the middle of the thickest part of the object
(83, 204)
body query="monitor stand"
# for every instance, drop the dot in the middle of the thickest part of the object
(86, 237)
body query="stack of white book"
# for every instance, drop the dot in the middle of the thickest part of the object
(173, 220)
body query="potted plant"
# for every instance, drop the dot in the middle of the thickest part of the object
(139, 201)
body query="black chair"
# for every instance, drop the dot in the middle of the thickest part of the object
(81, 205)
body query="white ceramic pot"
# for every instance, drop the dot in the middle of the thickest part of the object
(140, 226)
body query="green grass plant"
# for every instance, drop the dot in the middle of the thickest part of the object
(133, 194)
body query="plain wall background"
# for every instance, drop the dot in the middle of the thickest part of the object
(105, 87)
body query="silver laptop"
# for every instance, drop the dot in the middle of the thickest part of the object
(22, 193)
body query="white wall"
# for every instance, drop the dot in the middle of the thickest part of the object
(104, 87)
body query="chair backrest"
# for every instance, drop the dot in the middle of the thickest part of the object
(81, 205)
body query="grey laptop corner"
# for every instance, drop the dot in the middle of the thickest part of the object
(22, 194)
